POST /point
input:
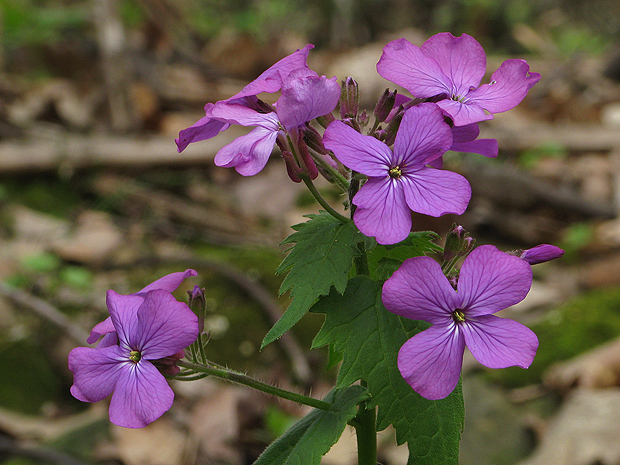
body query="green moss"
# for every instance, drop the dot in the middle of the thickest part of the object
(567, 331)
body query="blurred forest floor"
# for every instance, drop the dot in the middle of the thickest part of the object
(94, 196)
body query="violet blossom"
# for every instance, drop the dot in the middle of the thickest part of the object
(169, 283)
(489, 281)
(269, 81)
(305, 96)
(150, 327)
(400, 180)
(453, 67)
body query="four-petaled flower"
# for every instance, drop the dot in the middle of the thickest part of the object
(400, 180)
(149, 327)
(489, 281)
(305, 96)
(453, 67)
(269, 81)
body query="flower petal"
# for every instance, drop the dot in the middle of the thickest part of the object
(95, 371)
(123, 312)
(431, 361)
(491, 280)
(100, 329)
(249, 153)
(404, 64)
(418, 290)
(499, 343)
(487, 147)
(165, 326)
(203, 129)
(245, 116)
(465, 133)
(464, 113)
(272, 78)
(381, 211)
(436, 192)
(364, 154)
(305, 98)
(509, 85)
(142, 395)
(462, 59)
(169, 283)
(423, 136)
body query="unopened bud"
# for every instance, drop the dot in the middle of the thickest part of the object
(314, 140)
(384, 105)
(292, 168)
(392, 127)
(325, 120)
(198, 304)
(458, 243)
(363, 118)
(167, 366)
(306, 159)
(349, 98)
(541, 253)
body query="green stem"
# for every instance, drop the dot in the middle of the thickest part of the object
(366, 432)
(321, 200)
(339, 179)
(253, 383)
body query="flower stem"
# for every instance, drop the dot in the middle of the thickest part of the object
(321, 200)
(366, 432)
(240, 378)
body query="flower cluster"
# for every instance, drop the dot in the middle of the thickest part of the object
(142, 339)
(394, 169)
(443, 75)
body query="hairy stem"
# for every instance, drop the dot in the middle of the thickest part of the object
(240, 378)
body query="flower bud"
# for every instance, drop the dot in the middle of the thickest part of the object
(325, 120)
(314, 140)
(198, 304)
(458, 243)
(384, 105)
(541, 253)
(349, 98)
(392, 127)
(306, 159)
(292, 168)
(363, 118)
(167, 366)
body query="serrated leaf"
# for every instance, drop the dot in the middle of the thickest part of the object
(321, 258)
(311, 437)
(370, 337)
(383, 260)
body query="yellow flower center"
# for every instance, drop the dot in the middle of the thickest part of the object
(395, 173)
(458, 315)
(135, 356)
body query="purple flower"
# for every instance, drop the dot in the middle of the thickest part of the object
(454, 67)
(169, 283)
(305, 96)
(269, 81)
(541, 253)
(150, 327)
(399, 180)
(489, 281)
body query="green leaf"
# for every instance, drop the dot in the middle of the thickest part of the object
(370, 337)
(321, 258)
(383, 260)
(311, 437)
